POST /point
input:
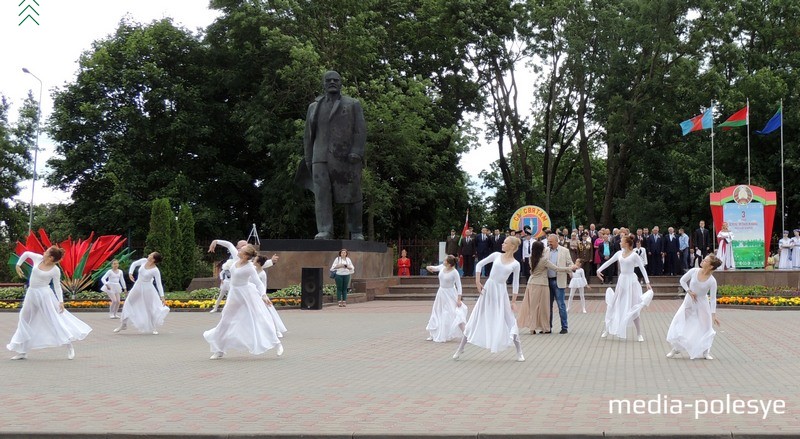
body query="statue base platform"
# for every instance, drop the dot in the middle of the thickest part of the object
(371, 260)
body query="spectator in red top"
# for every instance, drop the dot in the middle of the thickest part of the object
(403, 264)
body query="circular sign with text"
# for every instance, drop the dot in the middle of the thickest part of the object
(533, 216)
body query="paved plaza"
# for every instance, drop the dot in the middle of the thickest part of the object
(367, 370)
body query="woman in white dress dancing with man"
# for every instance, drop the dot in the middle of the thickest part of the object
(43, 321)
(492, 324)
(625, 302)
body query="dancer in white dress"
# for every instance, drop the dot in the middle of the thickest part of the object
(260, 263)
(245, 324)
(796, 249)
(145, 307)
(492, 324)
(578, 282)
(43, 321)
(786, 246)
(626, 301)
(225, 284)
(449, 314)
(691, 330)
(724, 248)
(114, 285)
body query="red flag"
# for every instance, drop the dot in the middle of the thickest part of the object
(464, 230)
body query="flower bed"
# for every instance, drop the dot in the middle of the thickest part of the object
(175, 304)
(756, 291)
(759, 301)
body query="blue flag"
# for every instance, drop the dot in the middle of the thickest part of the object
(773, 123)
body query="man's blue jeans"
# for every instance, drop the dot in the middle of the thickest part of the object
(557, 295)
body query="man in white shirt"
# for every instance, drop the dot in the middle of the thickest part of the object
(527, 242)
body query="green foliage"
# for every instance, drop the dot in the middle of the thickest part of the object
(7, 293)
(15, 142)
(205, 293)
(187, 251)
(296, 291)
(756, 290)
(162, 238)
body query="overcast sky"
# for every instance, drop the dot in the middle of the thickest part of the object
(50, 50)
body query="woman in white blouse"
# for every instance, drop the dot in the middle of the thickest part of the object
(342, 267)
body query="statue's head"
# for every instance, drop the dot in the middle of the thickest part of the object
(332, 82)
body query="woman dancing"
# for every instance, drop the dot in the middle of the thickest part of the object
(114, 285)
(43, 321)
(535, 311)
(691, 330)
(449, 314)
(492, 324)
(626, 302)
(724, 249)
(245, 324)
(145, 307)
(261, 263)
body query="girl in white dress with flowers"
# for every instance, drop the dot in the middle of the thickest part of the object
(145, 307)
(261, 263)
(449, 314)
(578, 282)
(245, 324)
(492, 324)
(625, 302)
(724, 249)
(114, 285)
(43, 321)
(691, 330)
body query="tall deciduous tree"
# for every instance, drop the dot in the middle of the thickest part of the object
(15, 143)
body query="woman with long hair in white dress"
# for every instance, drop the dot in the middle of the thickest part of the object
(246, 324)
(114, 285)
(691, 330)
(261, 263)
(625, 302)
(449, 314)
(43, 321)
(145, 307)
(724, 248)
(492, 324)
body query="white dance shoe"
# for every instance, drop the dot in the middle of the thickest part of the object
(21, 356)
(121, 328)
(216, 356)
(280, 349)
(70, 352)
(708, 357)
(672, 353)
(429, 339)
(457, 354)
(640, 338)
(520, 358)
(604, 334)
(155, 332)
(213, 310)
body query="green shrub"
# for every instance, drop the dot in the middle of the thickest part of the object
(11, 293)
(296, 291)
(755, 290)
(91, 295)
(204, 293)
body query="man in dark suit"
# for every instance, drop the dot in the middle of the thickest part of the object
(672, 253)
(334, 139)
(655, 253)
(483, 246)
(451, 244)
(497, 241)
(468, 251)
(701, 239)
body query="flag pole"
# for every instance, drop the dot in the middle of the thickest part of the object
(712, 146)
(783, 202)
(748, 141)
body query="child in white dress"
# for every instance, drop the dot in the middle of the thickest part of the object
(449, 314)
(114, 285)
(578, 282)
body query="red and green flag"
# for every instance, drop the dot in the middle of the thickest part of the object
(464, 230)
(738, 119)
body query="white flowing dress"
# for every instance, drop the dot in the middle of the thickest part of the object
(725, 251)
(578, 279)
(245, 324)
(143, 308)
(625, 302)
(446, 315)
(785, 258)
(492, 324)
(796, 252)
(691, 330)
(40, 324)
(280, 328)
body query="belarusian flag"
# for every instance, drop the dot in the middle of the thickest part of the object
(739, 119)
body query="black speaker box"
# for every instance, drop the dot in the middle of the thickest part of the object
(311, 286)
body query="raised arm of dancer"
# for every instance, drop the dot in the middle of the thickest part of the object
(136, 264)
(491, 258)
(435, 268)
(607, 264)
(35, 258)
(227, 244)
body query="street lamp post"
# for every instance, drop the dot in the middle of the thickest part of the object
(36, 149)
